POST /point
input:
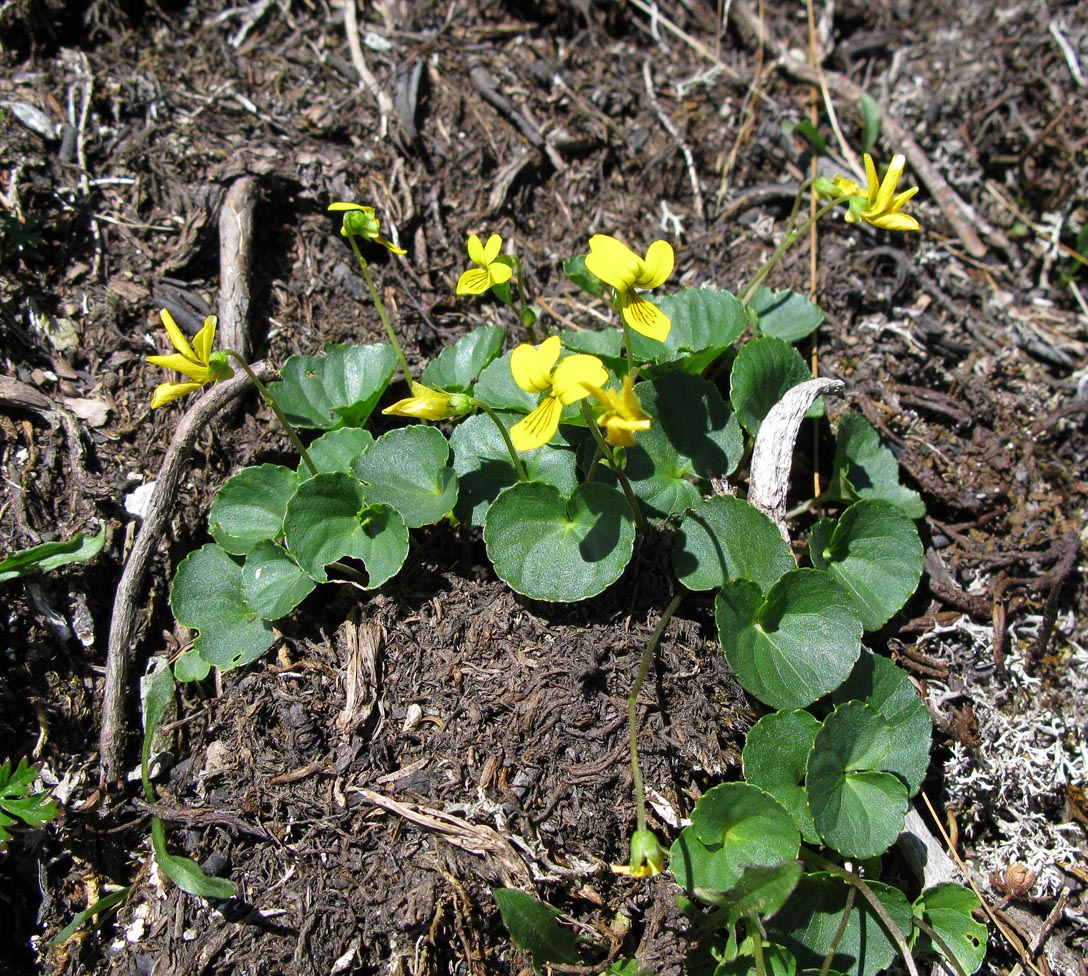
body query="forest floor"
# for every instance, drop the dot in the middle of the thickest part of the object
(124, 127)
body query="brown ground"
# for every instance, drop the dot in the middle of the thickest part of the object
(546, 123)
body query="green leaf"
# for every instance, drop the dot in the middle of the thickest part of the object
(785, 314)
(793, 645)
(273, 584)
(809, 924)
(533, 929)
(329, 518)
(732, 826)
(19, 803)
(705, 323)
(51, 555)
(764, 370)
(858, 807)
(874, 553)
(548, 546)
(408, 469)
(871, 116)
(947, 909)
(865, 468)
(338, 389)
(207, 596)
(191, 667)
(457, 368)
(724, 538)
(605, 344)
(575, 269)
(693, 435)
(250, 506)
(878, 682)
(100, 907)
(496, 388)
(759, 893)
(809, 131)
(776, 760)
(335, 450)
(484, 467)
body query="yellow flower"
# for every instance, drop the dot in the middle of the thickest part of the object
(623, 416)
(361, 221)
(881, 205)
(534, 369)
(617, 265)
(648, 857)
(197, 361)
(428, 404)
(490, 272)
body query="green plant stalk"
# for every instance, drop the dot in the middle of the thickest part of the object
(756, 931)
(632, 709)
(839, 932)
(380, 306)
(523, 301)
(270, 400)
(625, 484)
(810, 857)
(791, 237)
(949, 955)
(518, 466)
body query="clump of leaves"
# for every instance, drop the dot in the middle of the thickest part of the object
(19, 802)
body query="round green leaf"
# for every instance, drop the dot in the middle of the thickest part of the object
(457, 368)
(808, 925)
(724, 538)
(190, 666)
(794, 645)
(763, 371)
(484, 467)
(785, 314)
(336, 450)
(496, 388)
(249, 508)
(329, 519)
(705, 322)
(273, 584)
(732, 825)
(865, 468)
(874, 552)
(408, 469)
(857, 806)
(206, 596)
(878, 682)
(338, 389)
(550, 547)
(947, 909)
(776, 760)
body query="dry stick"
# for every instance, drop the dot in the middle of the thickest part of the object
(366, 78)
(235, 256)
(119, 655)
(962, 218)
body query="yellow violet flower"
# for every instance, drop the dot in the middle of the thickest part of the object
(617, 265)
(648, 857)
(428, 404)
(360, 221)
(534, 369)
(197, 361)
(623, 416)
(490, 272)
(881, 205)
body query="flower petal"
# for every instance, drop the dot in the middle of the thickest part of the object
(645, 317)
(476, 251)
(894, 221)
(613, 262)
(492, 248)
(177, 337)
(389, 245)
(531, 366)
(349, 206)
(475, 281)
(658, 265)
(165, 392)
(499, 272)
(871, 179)
(539, 427)
(182, 364)
(204, 339)
(573, 374)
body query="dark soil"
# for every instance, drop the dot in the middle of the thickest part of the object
(489, 747)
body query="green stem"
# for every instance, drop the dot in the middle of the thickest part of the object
(791, 237)
(523, 301)
(270, 400)
(632, 709)
(380, 306)
(753, 929)
(603, 448)
(518, 466)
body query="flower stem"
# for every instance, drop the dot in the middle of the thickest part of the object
(518, 466)
(380, 306)
(270, 400)
(632, 709)
(625, 484)
(523, 302)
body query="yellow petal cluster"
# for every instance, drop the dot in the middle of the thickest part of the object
(538, 369)
(428, 404)
(360, 221)
(883, 204)
(475, 281)
(623, 416)
(197, 361)
(617, 265)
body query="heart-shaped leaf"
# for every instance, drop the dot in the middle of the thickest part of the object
(249, 508)
(865, 468)
(408, 469)
(776, 760)
(784, 314)
(763, 371)
(548, 546)
(336, 450)
(705, 322)
(948, 910)
(273, 584)
(457, 368)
